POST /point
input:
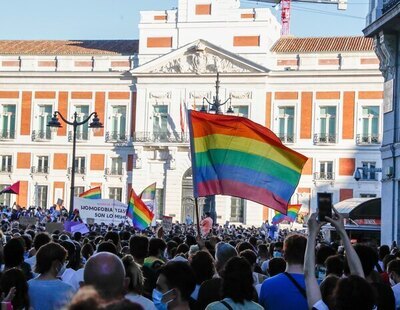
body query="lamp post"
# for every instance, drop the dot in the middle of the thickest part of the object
(54, 124)
(357, 173)
(214, 106)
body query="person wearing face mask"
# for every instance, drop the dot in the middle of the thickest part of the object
(175, 284)
(394, 278)
(47, 291)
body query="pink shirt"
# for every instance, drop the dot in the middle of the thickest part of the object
(206, 225)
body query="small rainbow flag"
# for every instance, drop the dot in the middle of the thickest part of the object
(138, 212)
(148, 196)
(291, 216)
(234, 156)
(93, 193)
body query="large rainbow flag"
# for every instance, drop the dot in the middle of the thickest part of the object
(234, 156)
(139, 213)
(291, 216)
(93, 193)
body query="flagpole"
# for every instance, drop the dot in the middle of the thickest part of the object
(197, 217)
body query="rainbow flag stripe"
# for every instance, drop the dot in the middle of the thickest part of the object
(234, 156)
(149, 193)
(291, 216)
(139, 213)
(93, 193)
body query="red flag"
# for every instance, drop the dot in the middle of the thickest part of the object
(12, 189)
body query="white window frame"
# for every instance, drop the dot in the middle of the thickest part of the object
(81, 117)
(116, 187)
(317, 113)
(120, 169)
(37, 159)
(369, 103)
(318, 169)
(113, 104)
(36, 195)
(1, 163)
(9, 102)
(78, 164)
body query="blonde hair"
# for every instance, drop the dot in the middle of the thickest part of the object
(135, 274)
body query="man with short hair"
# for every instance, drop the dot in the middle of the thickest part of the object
(287, 290)
(106, 273)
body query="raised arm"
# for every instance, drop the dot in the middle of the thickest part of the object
(353, 260)
(312, 287)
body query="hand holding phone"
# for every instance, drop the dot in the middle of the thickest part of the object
(324, 206)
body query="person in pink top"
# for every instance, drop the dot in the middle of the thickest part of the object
(206, 224)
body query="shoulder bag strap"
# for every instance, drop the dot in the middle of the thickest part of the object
(298, 286)
(226, 304)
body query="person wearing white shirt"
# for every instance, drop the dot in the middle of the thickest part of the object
(394, 276)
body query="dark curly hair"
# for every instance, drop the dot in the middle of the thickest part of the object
(237, 280)
(203, 266)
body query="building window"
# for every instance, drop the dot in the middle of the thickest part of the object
(5, 163)
(160, 202)
(80, 165)
(78, 190)
(82, 132)
(5, 199)
(8, 121)
(325, 171)
(327, 124)
(116, 166)
(241, 110)
(118, 123)
(160, 123)
(44, 116)
(368, 172)
(286, 124)
(43, 164)
(367, 195)
(41, 196)
(237, 209)
(370, 124)
(115, 193)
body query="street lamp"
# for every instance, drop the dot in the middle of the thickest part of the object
(216, 104)
(357, 173)
(54, 124)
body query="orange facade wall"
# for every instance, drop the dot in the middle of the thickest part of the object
(160, 17)
(346, 193)
(268, 110)
(63, 109)
(327, 95)
(10, 63)
(246, 41)
(81, 95)
(9, 94)
(370, 95)
(100, 103)
(121, 63)
(332, 61)
(97, 162)
(286, 95)
(287, 62)
(26, 111)
(23, 160)
(348, 114)
(60, 161)
(306, 115)
(247, 15)
(118, 95)
(22, 197)
(203, 9)
(308, 167)
(369, 61)
(47, 63)
(156, 42)
(347, 166)
(45, 95)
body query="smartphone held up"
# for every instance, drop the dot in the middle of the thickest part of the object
(324, 206)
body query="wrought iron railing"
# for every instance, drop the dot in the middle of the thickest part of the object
(286, 138)
(7, 135)
(6, 169)
(40, 170)
(324, 176)
(325, 138)
(80, 136)
(116, 136)
(78, 170)
(164, 137)
(41, 135)
(111, 171)
(363, 139)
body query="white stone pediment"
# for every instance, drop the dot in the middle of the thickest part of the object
(199, 57)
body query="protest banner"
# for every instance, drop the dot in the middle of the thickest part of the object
(82, 228)
(107, 211)
(52, 227)
(167, 223)
(27, 220)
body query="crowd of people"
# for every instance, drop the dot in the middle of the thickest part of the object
(229, 267)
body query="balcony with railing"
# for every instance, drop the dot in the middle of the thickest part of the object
(40, 170)
(388, 5)
(114, 171)
(116, 137)
(162, 137)
(325, 138)
(6, 169)
(324, 176)
(286, 138)
(7, 135)
(78, 170)
(81, 136)
(40, 135)
(363, 139)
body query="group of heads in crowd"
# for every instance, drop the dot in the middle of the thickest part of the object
(116, 267)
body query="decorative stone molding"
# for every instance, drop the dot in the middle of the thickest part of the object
(160, 95)
(172, 157)
(199, 95)
(138, 157)
(385, 49)
(241, 95)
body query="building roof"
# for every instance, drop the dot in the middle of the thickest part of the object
(71, 47)
(323, 44)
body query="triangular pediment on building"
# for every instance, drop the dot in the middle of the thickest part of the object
(200, 57)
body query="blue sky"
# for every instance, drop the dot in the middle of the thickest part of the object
(118, 19)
